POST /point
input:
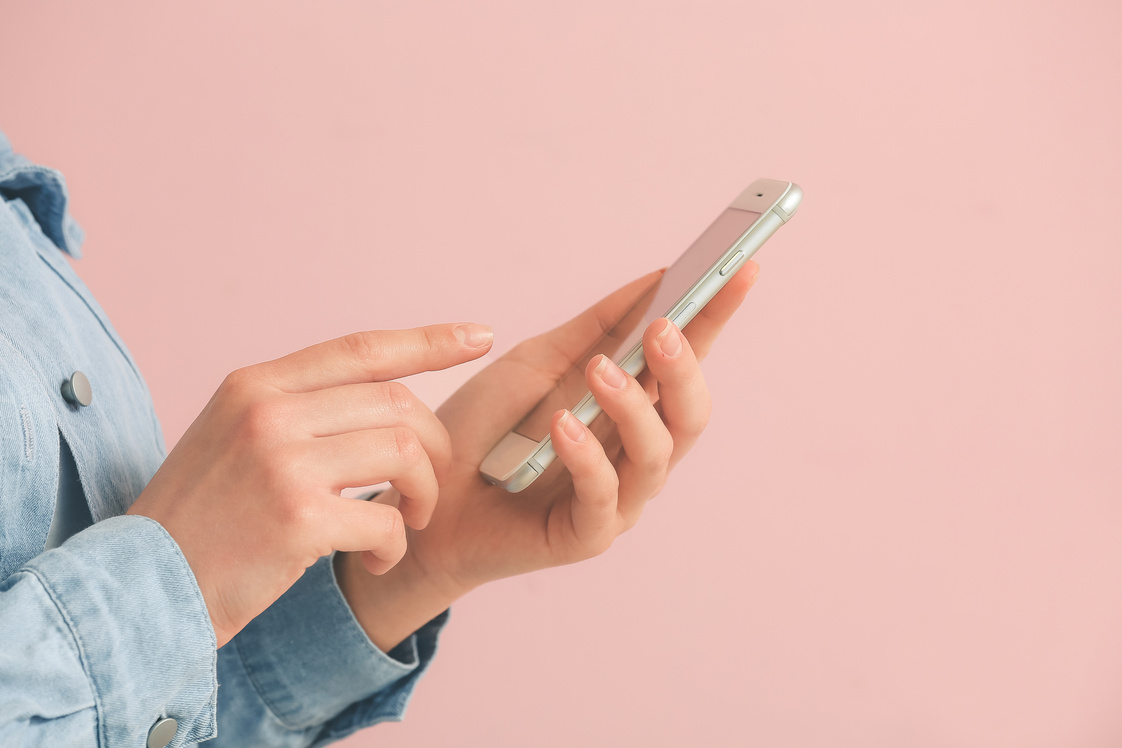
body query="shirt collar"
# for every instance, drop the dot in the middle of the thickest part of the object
(43, 190)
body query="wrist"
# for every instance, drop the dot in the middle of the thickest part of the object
(391, 606)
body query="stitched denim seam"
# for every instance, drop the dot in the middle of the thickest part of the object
(28, 433)
(100, 321)
(102, 739)
(195, 591)
(356, 632)
(198, 595)
(34, 227)
(119, 345)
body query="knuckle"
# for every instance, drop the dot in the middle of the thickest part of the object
(293, 513)
(406, 444)
(657, 457)
(279, 470)
(430, 340)
(445, 440)
(692, 430)
(704, 412)
(260, 421)
(609, 480)
(611, 483)
(361, 346)
(400, 399)
(666, 450)
(603, 502)
(392, 525)
(237, 383)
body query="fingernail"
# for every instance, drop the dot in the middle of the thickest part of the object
(753, 270)
(610, 374)
(573, 428)
(474, 336)
(670, 340)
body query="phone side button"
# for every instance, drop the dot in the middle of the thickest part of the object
(683, 316)
(732, 264)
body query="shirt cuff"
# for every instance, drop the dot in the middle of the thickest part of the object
(141, 627)
(312, 663)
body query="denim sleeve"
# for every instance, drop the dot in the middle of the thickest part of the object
(108, 633)
(304, 673)
(103, 636)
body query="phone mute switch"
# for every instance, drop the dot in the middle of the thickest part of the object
(732, 265)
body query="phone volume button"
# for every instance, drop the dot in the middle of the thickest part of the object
(732, 263)
(680, 317)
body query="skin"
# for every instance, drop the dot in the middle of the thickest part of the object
(251, 491)
(478, 532)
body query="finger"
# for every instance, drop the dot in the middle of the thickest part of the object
(682, 393)
(363, 458)
(709, 322)
(377, 529)
(377, 355)
(557, 350)
(647, 445)
(376, 405)
(492, 402)
(595, 484)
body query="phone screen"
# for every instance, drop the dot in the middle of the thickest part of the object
(655, 303)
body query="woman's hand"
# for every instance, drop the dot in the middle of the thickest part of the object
(479, 532)
(251, 491)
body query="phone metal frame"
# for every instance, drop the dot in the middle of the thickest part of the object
(516, 461)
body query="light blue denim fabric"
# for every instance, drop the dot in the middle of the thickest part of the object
(108, 633)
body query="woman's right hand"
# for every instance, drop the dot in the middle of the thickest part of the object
(251, 491)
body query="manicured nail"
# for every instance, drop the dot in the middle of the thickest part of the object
(610, 374)
(474, 336)
(670, 340)
(753, 270)
(573, 428)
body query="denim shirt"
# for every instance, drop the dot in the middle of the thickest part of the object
(107, 634)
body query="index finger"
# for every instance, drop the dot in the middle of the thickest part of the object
(377, 355)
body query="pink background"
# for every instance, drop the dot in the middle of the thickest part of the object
(903, 526)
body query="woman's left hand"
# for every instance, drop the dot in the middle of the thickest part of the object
(479, 532)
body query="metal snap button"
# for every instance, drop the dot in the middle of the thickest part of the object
(77, 390)
(162, 732)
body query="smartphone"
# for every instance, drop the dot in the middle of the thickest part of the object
(686, 286)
